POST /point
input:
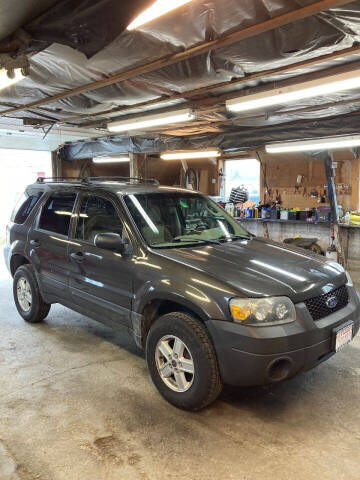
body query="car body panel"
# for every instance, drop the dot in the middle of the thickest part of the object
(115, 288)
(259, 267)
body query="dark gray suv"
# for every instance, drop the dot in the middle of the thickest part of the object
(209, 302)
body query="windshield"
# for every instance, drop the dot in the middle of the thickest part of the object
(173, 219)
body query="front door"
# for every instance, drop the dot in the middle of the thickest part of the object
(100, 280)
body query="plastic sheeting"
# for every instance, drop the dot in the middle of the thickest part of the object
(86, 25)
(231, 141)
(64, 64)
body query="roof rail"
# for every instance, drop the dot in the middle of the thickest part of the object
(58, 179)
(130, 180)
(89, 180)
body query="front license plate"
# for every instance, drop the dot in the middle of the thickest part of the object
(344, 335)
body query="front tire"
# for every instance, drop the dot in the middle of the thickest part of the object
(182, 361)
(27, 296)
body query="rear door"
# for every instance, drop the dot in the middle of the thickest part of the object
(101, 281)
(48, 243)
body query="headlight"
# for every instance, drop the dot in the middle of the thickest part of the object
(262, 311)
(349, 281)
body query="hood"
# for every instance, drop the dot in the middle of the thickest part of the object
(258, 267)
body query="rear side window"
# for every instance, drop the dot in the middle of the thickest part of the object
(24, 207)
(56, 213)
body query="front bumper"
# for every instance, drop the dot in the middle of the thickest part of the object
(261, 355)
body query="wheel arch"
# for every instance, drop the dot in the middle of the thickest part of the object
(16, 261)
(157, 307)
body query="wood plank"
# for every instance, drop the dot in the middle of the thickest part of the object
(355, 192)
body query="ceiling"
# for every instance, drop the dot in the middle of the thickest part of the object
(198, 56)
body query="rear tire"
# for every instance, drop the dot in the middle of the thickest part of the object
(27, 296)
(190, 378)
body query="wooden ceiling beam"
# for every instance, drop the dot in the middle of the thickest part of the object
(215, 104)
(226, 40)
(212, 88)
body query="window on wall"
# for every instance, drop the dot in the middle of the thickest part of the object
(243, 172)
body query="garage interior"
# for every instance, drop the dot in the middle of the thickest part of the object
(76, 401)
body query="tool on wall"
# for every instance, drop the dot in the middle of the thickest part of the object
(189, 178)
(192, 179)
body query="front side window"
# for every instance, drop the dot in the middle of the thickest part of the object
(24, 207)
(173, 219)
(56, 213)
(97, 215)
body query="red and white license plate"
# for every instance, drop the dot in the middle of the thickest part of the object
(343, 336)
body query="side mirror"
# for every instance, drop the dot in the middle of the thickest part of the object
(111, 241)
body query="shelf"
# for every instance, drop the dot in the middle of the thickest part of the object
(291, 222)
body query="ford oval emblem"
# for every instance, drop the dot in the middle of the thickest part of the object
(331, 302)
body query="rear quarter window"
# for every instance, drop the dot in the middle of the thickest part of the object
(24, 207)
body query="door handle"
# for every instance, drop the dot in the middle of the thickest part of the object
(35, 243)
(78, 257)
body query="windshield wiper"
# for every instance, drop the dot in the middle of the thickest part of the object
(192, 239)
(178, 240)
(235, 237)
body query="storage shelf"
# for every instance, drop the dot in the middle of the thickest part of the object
(271, 220)
(298, 222)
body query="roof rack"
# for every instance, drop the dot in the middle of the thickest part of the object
(89, 180)
(58, 179)
(128, 180)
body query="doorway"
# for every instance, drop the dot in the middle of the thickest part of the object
(19, 168)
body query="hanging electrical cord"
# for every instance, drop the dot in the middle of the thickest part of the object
(86, 170)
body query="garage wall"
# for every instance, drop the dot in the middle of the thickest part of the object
(88, 168)
(282, 171)
(166, 172)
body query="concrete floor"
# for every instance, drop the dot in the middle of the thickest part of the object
(76, 402)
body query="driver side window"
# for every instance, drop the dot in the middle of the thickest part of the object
(97, 215)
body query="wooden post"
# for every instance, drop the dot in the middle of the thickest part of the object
(56, 165)
(134, 165)
(263, 182)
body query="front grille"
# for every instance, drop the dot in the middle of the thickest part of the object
(317, 305)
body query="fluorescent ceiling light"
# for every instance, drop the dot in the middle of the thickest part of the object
(5, 81)
(315, 88)
(141, 123)
(111, 159)
(188, 155)
(330, 143)
(157, 9)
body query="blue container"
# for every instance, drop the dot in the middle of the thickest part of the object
(249, 213)
(265, 212)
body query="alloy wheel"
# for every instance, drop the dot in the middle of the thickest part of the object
(174, 363)
(24, 294)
